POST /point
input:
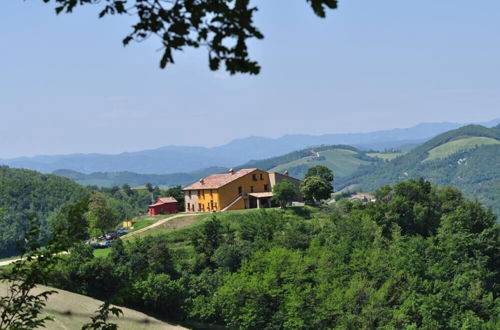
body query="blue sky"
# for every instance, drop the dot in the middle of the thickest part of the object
(67, 84)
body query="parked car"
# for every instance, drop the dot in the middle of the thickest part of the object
(122, 231)
(105, 244)
(110, 236)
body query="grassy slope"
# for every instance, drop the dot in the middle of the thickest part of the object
(453, 147)
(71, 311)
(474, 171)
(385, 155)
(343, 160)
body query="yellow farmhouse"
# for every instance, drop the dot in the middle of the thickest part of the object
(245, 189)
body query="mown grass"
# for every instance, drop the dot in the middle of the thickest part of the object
(72, 311)
(455, 146)
(101, 253)
(342, 162)
(385, 155)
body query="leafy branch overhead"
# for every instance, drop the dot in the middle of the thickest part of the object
(222, 26)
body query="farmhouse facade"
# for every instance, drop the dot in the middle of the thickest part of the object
(244, 189)
(163, 205)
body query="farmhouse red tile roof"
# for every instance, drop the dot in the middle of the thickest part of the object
(216, 181)
(164, 200)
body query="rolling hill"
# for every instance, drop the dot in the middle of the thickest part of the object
(110, 179)
(343, 160)
(185, 159)
(468, 158)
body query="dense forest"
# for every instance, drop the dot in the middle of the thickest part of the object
(418, 257)
(475, 170)
(54, 202)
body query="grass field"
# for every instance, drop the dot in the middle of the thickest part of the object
(343, 162)
(386, 155)
(178, 232)
(455, 146)
(71, 311)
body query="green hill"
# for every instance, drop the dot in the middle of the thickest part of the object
(467, 158)
(48, 198)
(25, 192)
(111, 179)
(343, 160)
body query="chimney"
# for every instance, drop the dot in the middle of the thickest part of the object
(231, 171)
(285, 173)
(202, 181)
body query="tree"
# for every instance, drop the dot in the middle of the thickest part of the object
(127, 190)
(149, 187)
(320, 171)
(315, 189)
(70, 224)
(99, 216)
(222, 26)
(283, 193)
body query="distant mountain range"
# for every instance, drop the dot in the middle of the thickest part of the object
(344, 160)
(186, 159)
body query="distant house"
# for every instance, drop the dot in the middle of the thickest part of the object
(245, 189)
(363, 197)
(163, 206)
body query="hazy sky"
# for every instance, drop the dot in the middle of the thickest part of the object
(68, 85)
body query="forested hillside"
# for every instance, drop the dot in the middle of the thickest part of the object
(110, 179)
(57, 203)
(419, 257)
(25, 193)
(467, 158)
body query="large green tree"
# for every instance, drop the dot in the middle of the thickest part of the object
(222, 26)
(100, 216)
(283, 193)
(315, 189)
(320, 171)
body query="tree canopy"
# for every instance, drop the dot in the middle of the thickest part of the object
(222, 26)
(419, 257)
(283, 193)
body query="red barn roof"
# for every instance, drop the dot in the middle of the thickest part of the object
(164, 200)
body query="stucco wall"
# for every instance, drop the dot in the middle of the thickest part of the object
(228, 192)
(276, 178)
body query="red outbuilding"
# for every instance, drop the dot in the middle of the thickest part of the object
(162, 206)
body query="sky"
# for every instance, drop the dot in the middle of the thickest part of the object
(67, 84)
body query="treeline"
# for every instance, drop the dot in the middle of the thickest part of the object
(57, 203)
(418, 257)
(112, 179)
